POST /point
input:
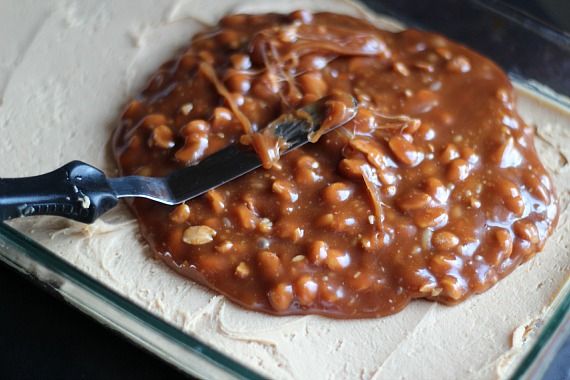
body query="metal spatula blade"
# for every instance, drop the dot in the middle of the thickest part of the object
(222, 166)
(81, 192)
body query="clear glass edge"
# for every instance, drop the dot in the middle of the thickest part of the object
(117, 312)
(92, 297)
(539, 353)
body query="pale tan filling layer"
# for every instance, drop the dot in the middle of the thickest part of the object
(66, 68)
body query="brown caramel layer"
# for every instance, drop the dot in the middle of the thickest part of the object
(434, 190)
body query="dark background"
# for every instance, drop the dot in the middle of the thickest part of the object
(42, 337)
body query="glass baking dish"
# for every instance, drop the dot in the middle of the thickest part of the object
(487, 26)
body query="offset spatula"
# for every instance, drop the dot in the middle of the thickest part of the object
(82, 192)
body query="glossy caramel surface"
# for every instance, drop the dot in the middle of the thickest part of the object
(434, 190)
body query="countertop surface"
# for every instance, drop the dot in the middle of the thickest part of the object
(43, 337)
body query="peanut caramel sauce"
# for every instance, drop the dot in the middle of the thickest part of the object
(434, 190)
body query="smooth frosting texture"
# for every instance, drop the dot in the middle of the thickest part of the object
(67, 66)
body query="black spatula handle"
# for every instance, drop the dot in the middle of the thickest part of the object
(76, 191)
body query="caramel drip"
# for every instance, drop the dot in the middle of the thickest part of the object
(210, 73)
